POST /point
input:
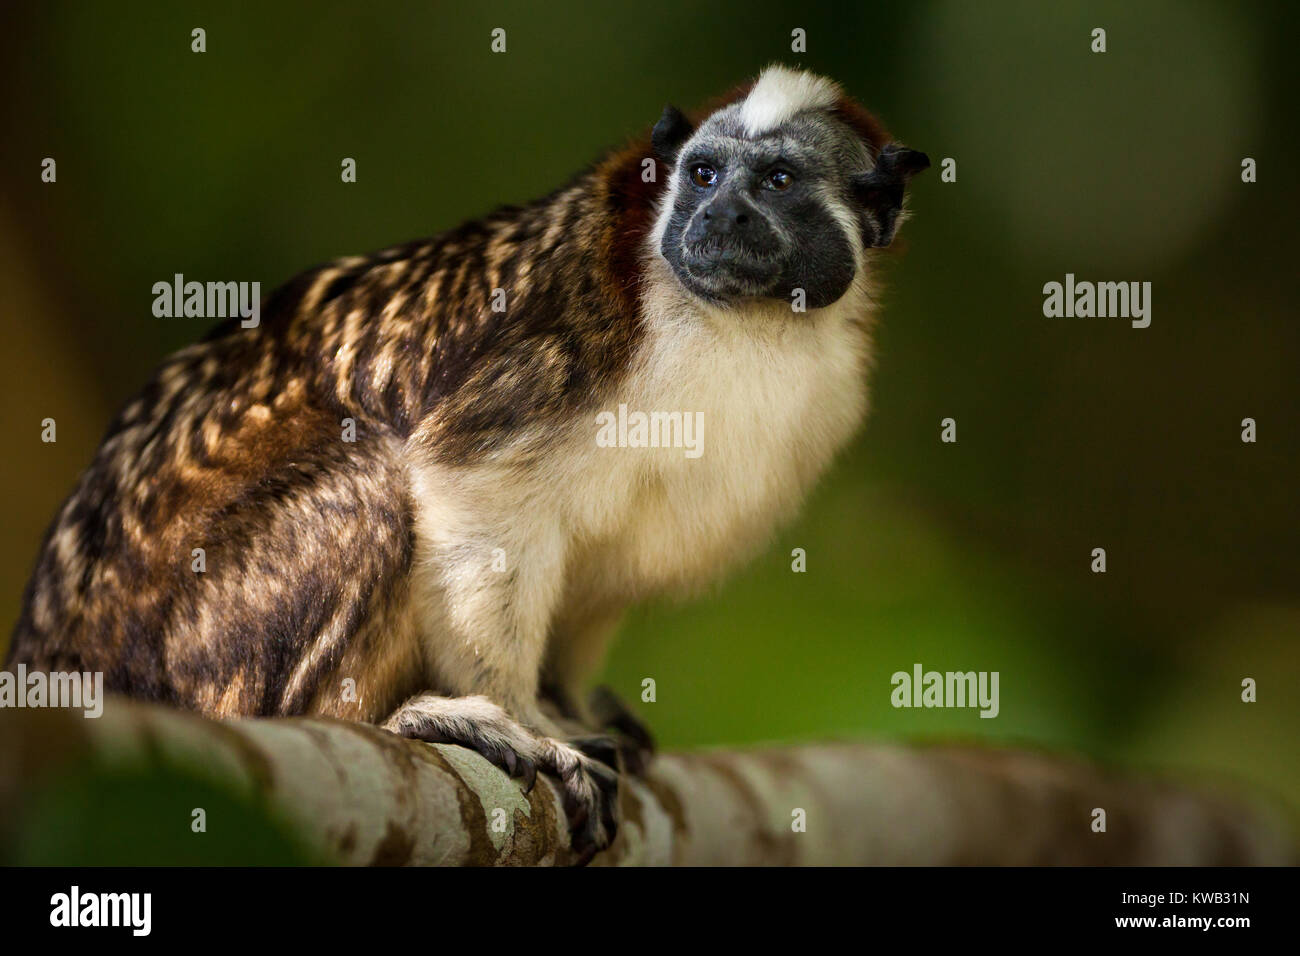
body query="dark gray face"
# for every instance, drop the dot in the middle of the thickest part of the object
(759, 216)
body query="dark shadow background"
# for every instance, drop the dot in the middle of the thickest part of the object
(1073, 433)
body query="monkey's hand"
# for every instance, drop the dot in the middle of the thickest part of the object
(586, 768)
(606, 728)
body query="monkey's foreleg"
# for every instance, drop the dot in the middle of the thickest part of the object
(486, 591)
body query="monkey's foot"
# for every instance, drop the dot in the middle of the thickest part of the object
(605, 716)
(636, 743)
(588, 786)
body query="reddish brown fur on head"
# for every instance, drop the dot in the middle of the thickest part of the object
(866, 125)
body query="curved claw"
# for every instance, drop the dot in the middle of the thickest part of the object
(528, 773)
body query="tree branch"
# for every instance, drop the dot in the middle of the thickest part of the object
(359, 795)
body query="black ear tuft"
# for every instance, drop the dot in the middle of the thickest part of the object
(881, 190)
(669, 133)
(906, 162)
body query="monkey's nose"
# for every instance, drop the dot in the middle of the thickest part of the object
(724, 217)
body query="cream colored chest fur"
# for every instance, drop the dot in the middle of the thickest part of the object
(777, 394)
(509, 553)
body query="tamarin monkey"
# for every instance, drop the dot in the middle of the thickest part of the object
(395, 479)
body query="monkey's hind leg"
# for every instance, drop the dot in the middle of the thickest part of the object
(589, 787)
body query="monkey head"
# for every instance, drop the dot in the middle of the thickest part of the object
(777, 192)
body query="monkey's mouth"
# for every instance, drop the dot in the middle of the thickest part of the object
(729, 268)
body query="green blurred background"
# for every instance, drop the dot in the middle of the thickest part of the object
(1072, 433)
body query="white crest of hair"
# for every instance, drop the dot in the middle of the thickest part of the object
(780, 93)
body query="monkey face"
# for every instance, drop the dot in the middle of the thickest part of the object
(773, 195)
(758, 219)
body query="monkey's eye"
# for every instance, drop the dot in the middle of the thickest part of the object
(778, 179)
(703, 175)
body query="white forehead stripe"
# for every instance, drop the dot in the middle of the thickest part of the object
(780, 93)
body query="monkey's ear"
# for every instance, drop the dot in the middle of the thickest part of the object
(881, 190)
(669, 133)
